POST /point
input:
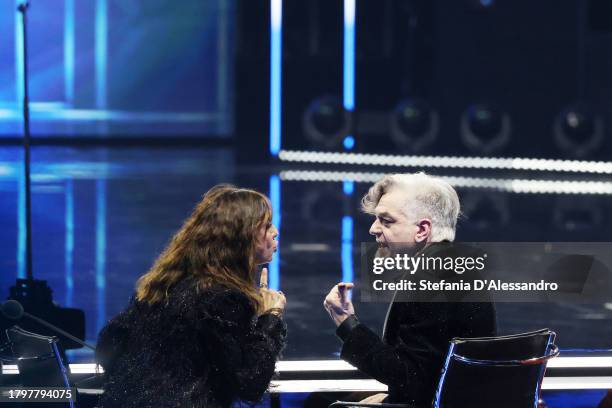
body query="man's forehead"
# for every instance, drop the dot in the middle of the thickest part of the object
(392, 203)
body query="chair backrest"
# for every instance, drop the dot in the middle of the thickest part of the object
(39, 360)
(500, 372)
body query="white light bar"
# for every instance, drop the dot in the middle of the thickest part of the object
(580, 362)
(86, 369)
(307, 386)
(281, 366)
(339, 176)
(309, 247)
(498, 163)
(523, 186)
(340, 365)
(277, 387)
(314, 365)
(577, 383)
(550, 383)
(74, 369)
(10, 369)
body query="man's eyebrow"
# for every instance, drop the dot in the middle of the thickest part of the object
(384, 214)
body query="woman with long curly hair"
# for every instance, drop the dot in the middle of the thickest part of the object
(199, 332)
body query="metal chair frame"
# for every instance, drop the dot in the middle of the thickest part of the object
(54, 354)
(552, 352)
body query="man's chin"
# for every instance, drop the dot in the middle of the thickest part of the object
(383, 252)
(390, 252)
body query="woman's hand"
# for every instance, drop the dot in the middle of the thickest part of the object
(272, 299)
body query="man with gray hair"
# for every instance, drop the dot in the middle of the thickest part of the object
(415, 214)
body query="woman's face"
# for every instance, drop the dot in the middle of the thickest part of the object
(266, 243)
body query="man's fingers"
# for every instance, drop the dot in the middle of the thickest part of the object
(343, 288)
(342, 292)
(263, 280)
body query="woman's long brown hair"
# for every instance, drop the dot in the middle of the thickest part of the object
(215, 245)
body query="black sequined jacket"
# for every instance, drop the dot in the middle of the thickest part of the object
(204, 349)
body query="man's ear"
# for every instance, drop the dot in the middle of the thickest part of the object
(424, 230)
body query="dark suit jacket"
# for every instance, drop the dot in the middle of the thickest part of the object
(411, 354)
(203, 349)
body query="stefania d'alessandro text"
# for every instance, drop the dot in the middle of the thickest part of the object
(475, 285)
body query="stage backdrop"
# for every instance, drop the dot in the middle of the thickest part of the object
(113, 68)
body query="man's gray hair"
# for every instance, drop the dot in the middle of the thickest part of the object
(429, 197)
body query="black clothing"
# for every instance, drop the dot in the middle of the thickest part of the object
(204, 349)
(415, 342)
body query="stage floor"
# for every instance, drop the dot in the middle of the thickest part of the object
(101, 216)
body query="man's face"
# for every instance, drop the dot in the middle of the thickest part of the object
(395, 231)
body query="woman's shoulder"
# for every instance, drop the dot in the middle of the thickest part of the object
(128, 314)
(213, 299)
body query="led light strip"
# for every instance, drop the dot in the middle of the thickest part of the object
(548, 165)
(11, 369)
(86, 369)
(348, 63)
(580, 362)
(275, 199)
(276, 65)
(53, 114)
(340, 365)
(335, 176)
(550, 383)
(277, 387)
(507, 185)
(101, 52)
(577, 383)
(314, 365)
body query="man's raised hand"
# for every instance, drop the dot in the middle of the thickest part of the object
(338, 302)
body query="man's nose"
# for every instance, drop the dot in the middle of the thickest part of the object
(375, 228)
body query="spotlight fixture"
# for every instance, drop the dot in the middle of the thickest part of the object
(326, 122)
(485, 129)
(481, 4)
(414, 125)
(577, 131)
(485, 211)
(320, 202)
(577, 215)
